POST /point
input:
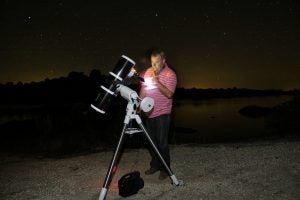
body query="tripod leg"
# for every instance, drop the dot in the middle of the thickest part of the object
(172, 176)
(113, 166)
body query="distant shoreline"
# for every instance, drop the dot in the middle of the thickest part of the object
(78, 87)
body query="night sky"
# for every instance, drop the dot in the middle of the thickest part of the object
(210, 44)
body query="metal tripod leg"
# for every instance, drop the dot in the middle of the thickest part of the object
(172, 176)
(113, 165)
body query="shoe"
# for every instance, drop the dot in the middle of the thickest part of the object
(163, 175)
(150, 171)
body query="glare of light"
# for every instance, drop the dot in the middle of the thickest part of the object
(149, 84)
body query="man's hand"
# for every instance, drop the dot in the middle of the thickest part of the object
(155, 80)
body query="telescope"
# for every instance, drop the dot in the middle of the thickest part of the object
(123, 69)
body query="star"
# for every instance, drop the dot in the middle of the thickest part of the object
(28, 19)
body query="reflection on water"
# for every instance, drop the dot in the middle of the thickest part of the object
(218, 119)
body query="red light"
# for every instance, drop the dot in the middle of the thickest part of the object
(114, 169)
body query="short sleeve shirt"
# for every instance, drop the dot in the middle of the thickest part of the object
(162, 104)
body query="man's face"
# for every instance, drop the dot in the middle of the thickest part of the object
(157, 63)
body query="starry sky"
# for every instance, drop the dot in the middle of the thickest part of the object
(210, 44)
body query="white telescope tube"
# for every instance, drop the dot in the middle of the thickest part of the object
(127, 93)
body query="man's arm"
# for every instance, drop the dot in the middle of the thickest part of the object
(164, 90)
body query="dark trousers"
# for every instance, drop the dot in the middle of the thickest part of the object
(158, 128)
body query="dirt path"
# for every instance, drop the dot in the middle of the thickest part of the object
(261, 170)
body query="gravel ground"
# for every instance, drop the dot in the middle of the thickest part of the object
(256, 170)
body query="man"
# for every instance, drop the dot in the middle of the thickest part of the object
(160, 83)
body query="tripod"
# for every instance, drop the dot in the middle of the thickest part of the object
(132, 115)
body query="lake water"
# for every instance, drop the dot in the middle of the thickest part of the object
(219, 119)
(200, 121)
